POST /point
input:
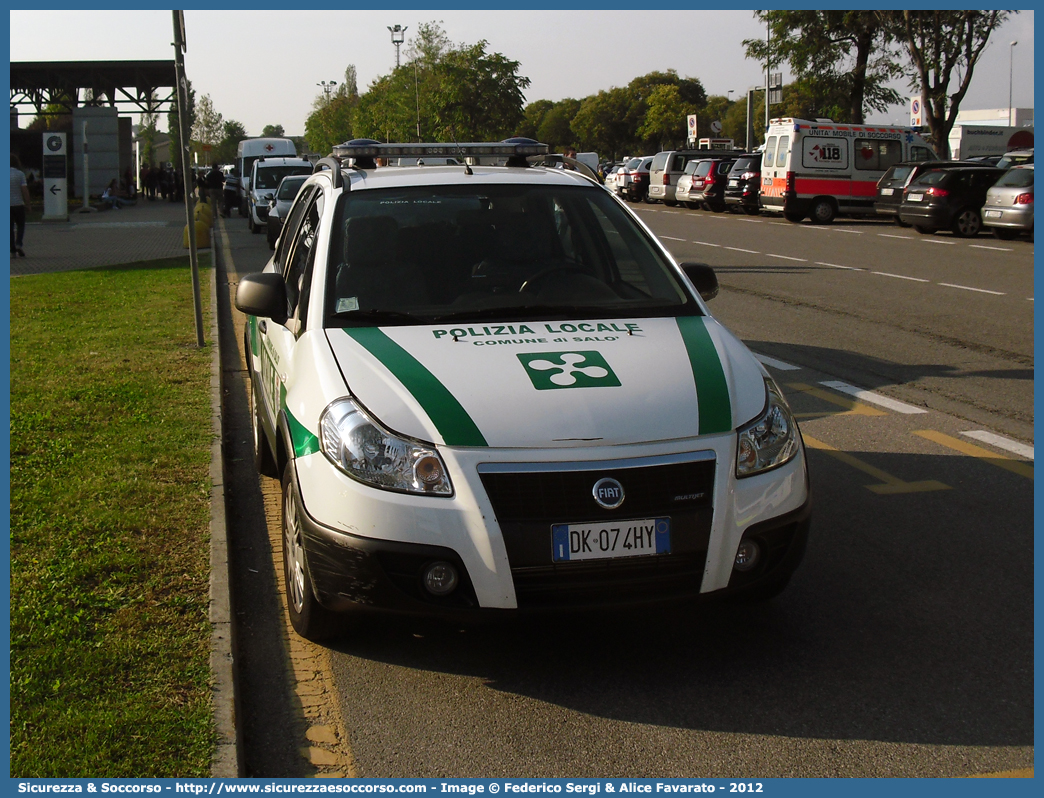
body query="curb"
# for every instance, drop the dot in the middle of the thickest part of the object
(225, 762)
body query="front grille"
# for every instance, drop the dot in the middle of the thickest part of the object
(527, 504)
(566, 496)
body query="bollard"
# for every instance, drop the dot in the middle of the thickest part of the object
(202, 235)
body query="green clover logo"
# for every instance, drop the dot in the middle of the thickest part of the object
(552, 370)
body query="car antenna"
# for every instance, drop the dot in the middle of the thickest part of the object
(463, 157)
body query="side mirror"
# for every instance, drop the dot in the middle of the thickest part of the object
(704, 278)
(262, 294)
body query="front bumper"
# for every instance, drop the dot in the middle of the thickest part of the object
(374, 560)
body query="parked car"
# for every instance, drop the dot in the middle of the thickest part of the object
(665, 170)
(681, 191)
(280, 207)
(1016, 157)
(612, 177)
(706, 187)
(744, 184)
(893, 182)
(1009, 203)
(264, 180)
(634, 184)
(492, 392)
(951, 199)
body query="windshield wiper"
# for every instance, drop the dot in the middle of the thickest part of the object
(525, 311)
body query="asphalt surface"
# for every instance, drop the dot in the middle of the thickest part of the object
(904, 644)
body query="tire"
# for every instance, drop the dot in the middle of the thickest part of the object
(694, 206)
(670, 203)
(752, 211)
(1004, 234)
(823, 211)
(793, 216)
(264, 460)
(716, 207)
(901, 223)
(925, 231)
(255, 228)
(250, 222)
(309, 618)
(967, 223)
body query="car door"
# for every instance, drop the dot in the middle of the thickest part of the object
(293, 260)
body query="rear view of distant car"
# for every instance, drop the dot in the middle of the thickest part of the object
(284, 198)
(1009, 204)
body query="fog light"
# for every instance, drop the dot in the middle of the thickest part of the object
(428, 470)
(440, 578)
(747, 555)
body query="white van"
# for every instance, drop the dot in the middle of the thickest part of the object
(265, 177)
(821, 169)
(250, 150)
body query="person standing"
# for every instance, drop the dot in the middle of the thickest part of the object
(19, 204)
(215, 181)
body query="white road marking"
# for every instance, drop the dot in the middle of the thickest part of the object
(752, 221)
(996, 249)
(969, 288)
(889, 235)
(1029, 299)
(672, 238)
(836, 266)
(846, 230)
(748, 251)
(873, 398)
(776, 364)
(707, 244)
(938, 241)
(902, 277)
(1001, 443)
(784, 224)
(784, 257)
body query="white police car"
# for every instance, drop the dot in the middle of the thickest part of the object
(490, 389)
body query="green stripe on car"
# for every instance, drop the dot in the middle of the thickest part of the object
(712, 389)
(446, 413)
(304, 440)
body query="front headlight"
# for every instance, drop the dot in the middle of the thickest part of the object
(769, 440)
(365, 451)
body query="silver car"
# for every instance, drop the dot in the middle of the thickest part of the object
(1009, 203)
(281, 202)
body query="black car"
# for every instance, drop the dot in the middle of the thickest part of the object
(948, 199)
(744, 184)
(892, 184)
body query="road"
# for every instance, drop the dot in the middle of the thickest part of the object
(903, 646)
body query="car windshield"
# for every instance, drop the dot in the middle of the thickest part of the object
(269, 176)
(1016, 178)
(746, 165)
(290, 186)
(703, 168)
(933, 177)
(634, 163)
(897, 174)
(521, 251)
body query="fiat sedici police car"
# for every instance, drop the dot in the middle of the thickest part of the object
(489, 389)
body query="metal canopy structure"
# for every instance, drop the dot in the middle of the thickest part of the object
(132, 86)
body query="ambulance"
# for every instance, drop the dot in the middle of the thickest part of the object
(491, 390)
(820, 169)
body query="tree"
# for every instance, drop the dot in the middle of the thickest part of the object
(208, 126)
(664, 120)
(272, 131)
(233, 132)
(943, 45)
(330, 122)
(532, 117)
(834, 54)
(600, 124)
(556, 127)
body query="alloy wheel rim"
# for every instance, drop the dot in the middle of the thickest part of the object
(294, 553)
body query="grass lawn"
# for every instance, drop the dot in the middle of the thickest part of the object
(110, 506)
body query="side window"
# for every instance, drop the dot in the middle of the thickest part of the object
(290, 225)
(781, 150)
(921, 154)
(874, 155)
(770, 151)
(298, 274)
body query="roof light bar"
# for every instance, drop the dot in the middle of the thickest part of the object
(373, 149)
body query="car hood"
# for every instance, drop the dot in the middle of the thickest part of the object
(553, 384)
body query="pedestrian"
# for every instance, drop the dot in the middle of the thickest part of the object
(215, 181)
(111, 196)
(231, 193)
(19, 204)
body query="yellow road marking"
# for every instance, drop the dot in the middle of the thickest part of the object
(1022, 773)
(1015, 466)
(852, 407)
(890, 485)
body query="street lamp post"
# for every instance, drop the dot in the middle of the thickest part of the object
(1011, 61)
(398, 34)
(327, 86)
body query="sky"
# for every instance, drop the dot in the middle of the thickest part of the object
(264, 67)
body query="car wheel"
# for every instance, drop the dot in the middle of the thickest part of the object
(823, 211)
(670, 203)
(255, 228)
(716, 207)
(925, 231)
(250, 222)
(264, 460)
(967, 223)
(694, 206)
(1004, 234)
(901, 223)
(752, 211)
(792, 216)
(309, 618)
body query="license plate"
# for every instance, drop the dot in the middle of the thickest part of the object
(915, 197)
(886, 192)
(992, 214)
(733, 182)
(571, 542)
